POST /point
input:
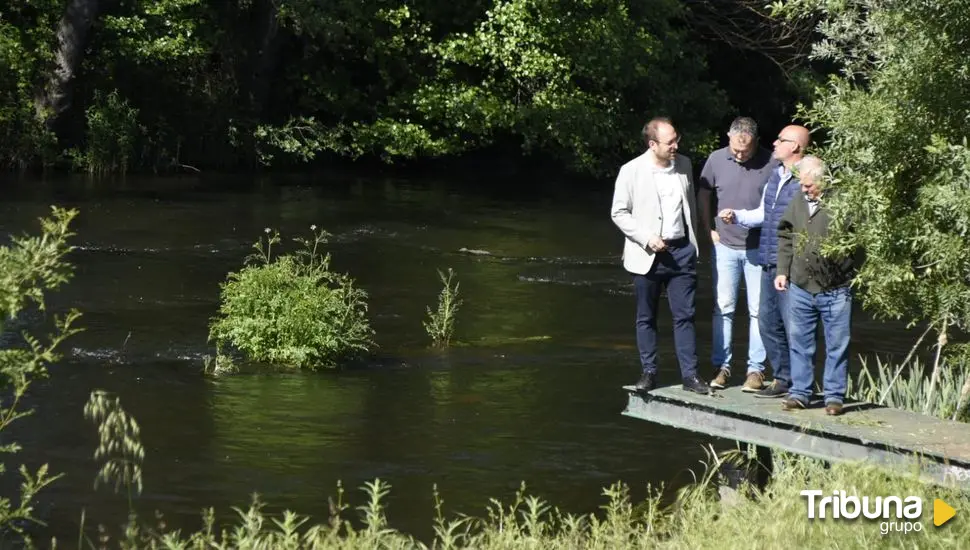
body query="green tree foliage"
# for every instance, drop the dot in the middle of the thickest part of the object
(112, 128)
(292, 309)
(572, 80)
(575, 79)
(896, 121)
(30, 266)
(247, 82)
(26, 49)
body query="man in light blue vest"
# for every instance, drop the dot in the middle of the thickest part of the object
(789, 149)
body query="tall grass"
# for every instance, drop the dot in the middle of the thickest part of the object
(773, 518)
(885, 385)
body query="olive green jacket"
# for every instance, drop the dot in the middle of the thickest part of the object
(800, 236)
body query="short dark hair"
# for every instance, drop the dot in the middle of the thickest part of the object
(650, 128)
(744, 125)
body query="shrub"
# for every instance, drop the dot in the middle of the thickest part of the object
(112, 128)
(292, 309)
(30, 267)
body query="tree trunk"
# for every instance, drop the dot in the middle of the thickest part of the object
(72, 35)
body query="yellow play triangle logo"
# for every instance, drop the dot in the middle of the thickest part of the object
(942, 512)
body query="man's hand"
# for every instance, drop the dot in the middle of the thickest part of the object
(781, 283)
(715, 238)
(656, 244)
(727, 216)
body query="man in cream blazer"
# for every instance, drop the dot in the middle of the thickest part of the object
(654, 207)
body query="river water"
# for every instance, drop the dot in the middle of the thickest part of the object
(532, 392)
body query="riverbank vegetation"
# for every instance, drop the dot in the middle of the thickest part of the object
(893, 126)
(187, 85)
(774, 518)
(30, 267)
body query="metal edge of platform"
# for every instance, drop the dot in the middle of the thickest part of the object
(706, 420)
(794, 427)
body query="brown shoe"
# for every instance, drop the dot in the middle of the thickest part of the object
(833, 408)
(792, 404)
(721, 378)
(754, 382)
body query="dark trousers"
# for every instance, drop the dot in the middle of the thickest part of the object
(773, 323)
(676, 270)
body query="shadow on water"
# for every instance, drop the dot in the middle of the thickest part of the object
(532, 393)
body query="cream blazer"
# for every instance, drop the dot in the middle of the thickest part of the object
(636, 208)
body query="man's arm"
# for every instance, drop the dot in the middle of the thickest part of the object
(752, 219)
(622, 210)
(705, 198)
(692, 194)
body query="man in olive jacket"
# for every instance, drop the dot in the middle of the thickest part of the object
(818, 288)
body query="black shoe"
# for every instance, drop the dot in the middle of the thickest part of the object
(646, 382)
(697, 385)
(775, 389)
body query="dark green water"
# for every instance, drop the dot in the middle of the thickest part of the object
(533, 395)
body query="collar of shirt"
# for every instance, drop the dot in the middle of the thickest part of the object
(664, 169)
(733, 159)
(785, 173)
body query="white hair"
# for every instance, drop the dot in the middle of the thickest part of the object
(811, 166)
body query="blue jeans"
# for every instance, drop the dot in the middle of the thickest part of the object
(774, 324)
(729, 266)
(675, 269)
(834, 308)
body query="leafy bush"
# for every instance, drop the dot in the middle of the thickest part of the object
(895, 121)
(292, 309)
(112, 128)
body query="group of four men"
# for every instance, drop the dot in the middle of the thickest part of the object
(770, 223)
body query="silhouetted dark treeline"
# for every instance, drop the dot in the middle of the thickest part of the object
(109, 86)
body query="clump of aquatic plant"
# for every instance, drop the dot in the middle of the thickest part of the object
(218, 365)
(30, 267)
(440, 324)
(292, 309)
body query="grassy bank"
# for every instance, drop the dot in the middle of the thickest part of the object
(775, 518)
